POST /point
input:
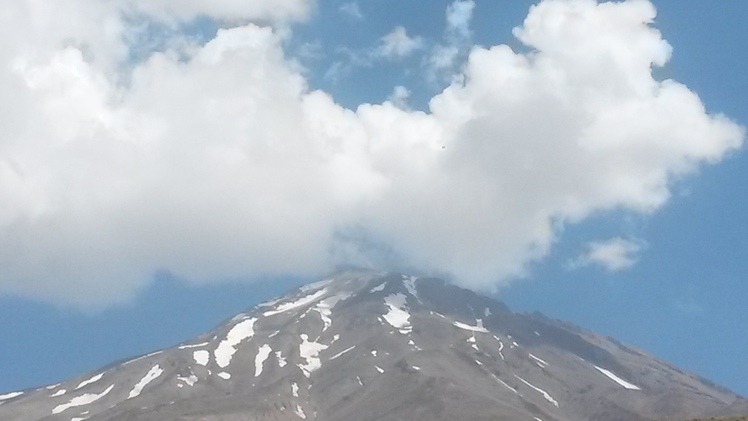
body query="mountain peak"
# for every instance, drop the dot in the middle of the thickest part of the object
(370, 345)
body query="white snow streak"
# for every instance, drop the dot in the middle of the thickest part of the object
(10, 396)
(295, 390)
(463, 326)
(540, 362)
(201, 357)
(379, 369)
(142, 357)
(501, 347)
(152, 375)
(262, 355)
(224, 375)
(342, 352)
(227, 347)
(82, 400)
(93, 379)
(545, 394)
(296, 304)
(398, 315)
(309, 351)
(193, 345)
(505, 385)
(618, 380)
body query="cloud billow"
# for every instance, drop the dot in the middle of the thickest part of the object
(216, 161)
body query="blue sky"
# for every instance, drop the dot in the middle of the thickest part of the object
(115, 235)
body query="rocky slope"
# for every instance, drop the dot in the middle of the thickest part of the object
(376, 346)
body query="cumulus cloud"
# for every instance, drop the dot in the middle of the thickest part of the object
(218, 162)
(614, 255)
(397, 44)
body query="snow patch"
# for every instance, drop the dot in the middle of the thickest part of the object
(52, 386)
(373, 352)
(309, 351)
(324, 308)
(282, 308)
(295, 390)
(545, 394)
(262, 355)
(86, 399)
(463, 326)
(93, 379)
(617, 379)
(227, 348)
(201, 357)
(398, 315)
(300, 412)
(379, 287)
(10, 396)
(487, 312)
(281, 359)
(379, 369)
(360, 383)
(58, 393)
(224, 375)
(410, 285)
(152, 375)
(189, 380)
(315, 285)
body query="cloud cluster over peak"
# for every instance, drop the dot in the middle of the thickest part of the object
(217, 161)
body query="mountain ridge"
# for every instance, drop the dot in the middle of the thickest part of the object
(370, 345)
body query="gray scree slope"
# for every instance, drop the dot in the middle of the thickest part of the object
(365, 345)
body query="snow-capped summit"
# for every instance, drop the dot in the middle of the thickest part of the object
(365, 345)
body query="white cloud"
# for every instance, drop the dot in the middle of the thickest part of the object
(614, 254)
(217, 162)
(399, 97)
(459, 15)
(445, 58)
(397, 44)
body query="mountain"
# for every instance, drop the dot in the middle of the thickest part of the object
(366, 345)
